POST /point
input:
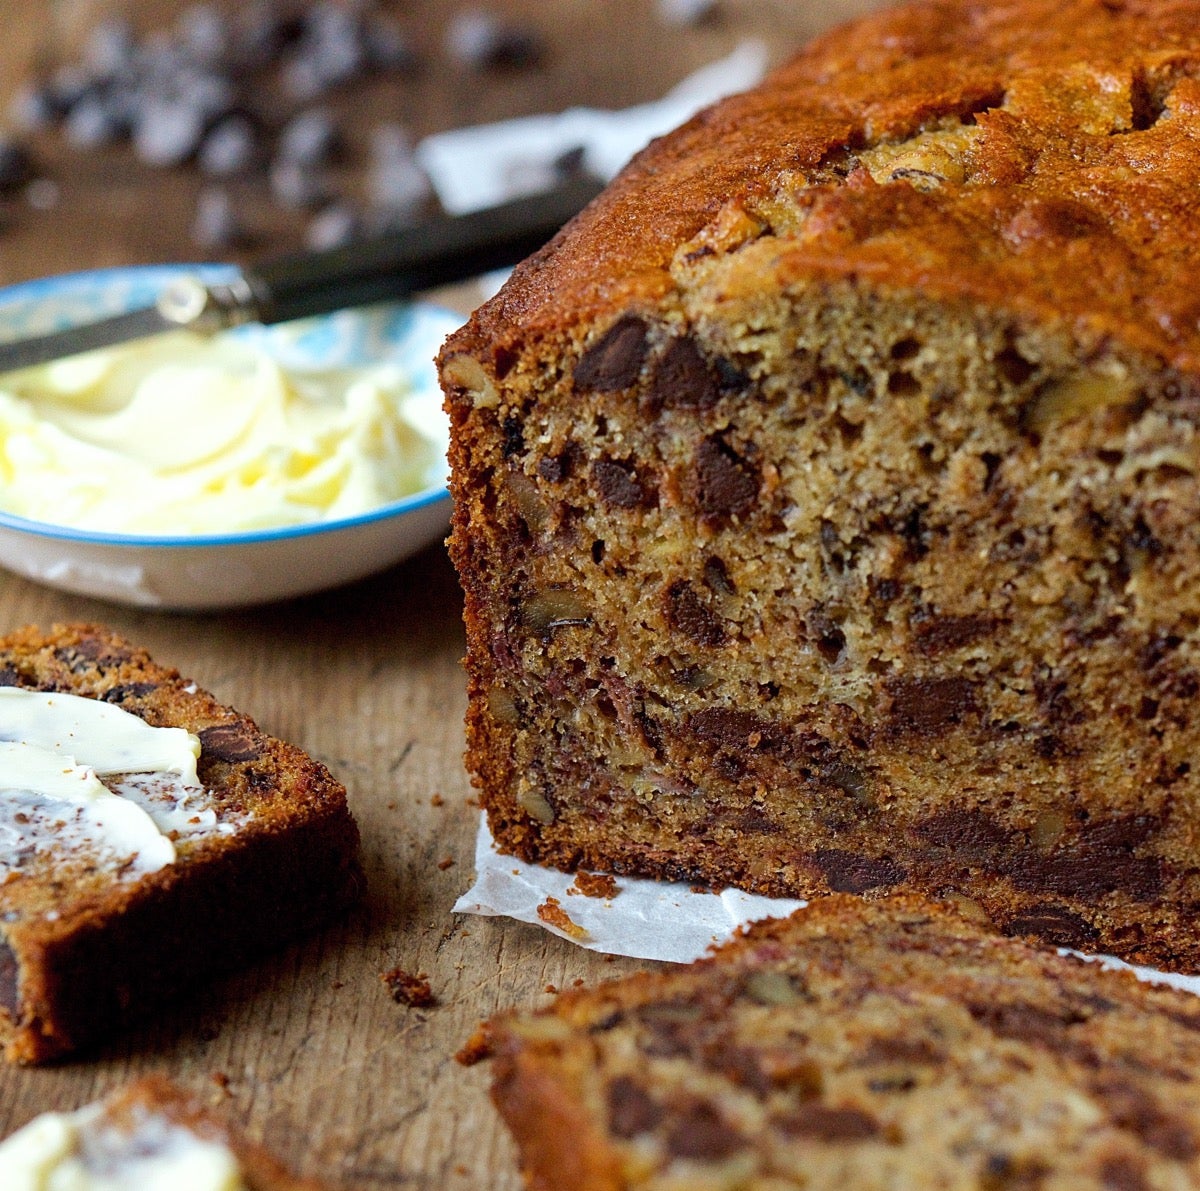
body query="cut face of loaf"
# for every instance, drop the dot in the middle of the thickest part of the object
(846, 539)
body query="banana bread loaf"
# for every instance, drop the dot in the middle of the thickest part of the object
(124, 893)
(149, 1136)
(826, 494)
(874, 1045)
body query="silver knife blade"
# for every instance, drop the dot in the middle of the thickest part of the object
(392, 265)
(133, 324)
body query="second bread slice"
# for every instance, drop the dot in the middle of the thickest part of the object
(864, 1045)
(91, 938)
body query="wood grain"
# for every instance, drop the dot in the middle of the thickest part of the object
(306, 1049)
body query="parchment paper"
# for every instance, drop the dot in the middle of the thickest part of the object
(651, 919)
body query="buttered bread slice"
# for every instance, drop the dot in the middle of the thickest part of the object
(149, 837)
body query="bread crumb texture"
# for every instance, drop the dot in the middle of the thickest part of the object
(872, 1045)
(826, 494)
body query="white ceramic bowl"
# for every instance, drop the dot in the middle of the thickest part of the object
(210, 571)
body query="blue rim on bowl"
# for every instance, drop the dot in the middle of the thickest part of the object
(413, 330)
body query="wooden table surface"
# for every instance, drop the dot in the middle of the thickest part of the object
(306, 1049)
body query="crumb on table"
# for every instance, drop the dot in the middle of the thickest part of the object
(476, 1048)
(552, 913)
(407, 989)
(595, 885)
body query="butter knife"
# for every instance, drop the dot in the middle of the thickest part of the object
(391, 266)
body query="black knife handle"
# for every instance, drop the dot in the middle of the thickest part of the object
(400, 263)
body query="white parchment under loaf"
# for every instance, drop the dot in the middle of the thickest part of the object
(650, 919)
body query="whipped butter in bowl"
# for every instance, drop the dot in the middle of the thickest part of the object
(183, 472)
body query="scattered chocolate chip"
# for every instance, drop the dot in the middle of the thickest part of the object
(851, 872)
(685, 12)
(1014, 367)
(310, 138)
(215, 225)
(230, 148)
(333, 226)
(631, 1109)
(92, 124)
(894, 1049)
(9, 676)
(1086, 869)
(16, 165)
(87, 651)
(884, 591)
(822, 1123)
(168, 132)
(386, 46)
(716, 576)
(726, 485)
(10, 977)
(619, 485)
(232, 743)
(609, 1021)
(478, 38)
(1040, 1025)
(1003, 1172)
(514, 438)
(296, 187)
(614, 362)
(1053, 220)
(730, 378)
(554, 468)
(688, 614)
(680, 379)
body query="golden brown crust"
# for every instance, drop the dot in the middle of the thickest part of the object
(825, 496)
(1055, 216)
(889, 1044)
(559, 1143)
(83, 952)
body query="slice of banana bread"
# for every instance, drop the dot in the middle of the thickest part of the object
(875, 1045)
(98, 923)
(149, 1136)
(827, 497)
